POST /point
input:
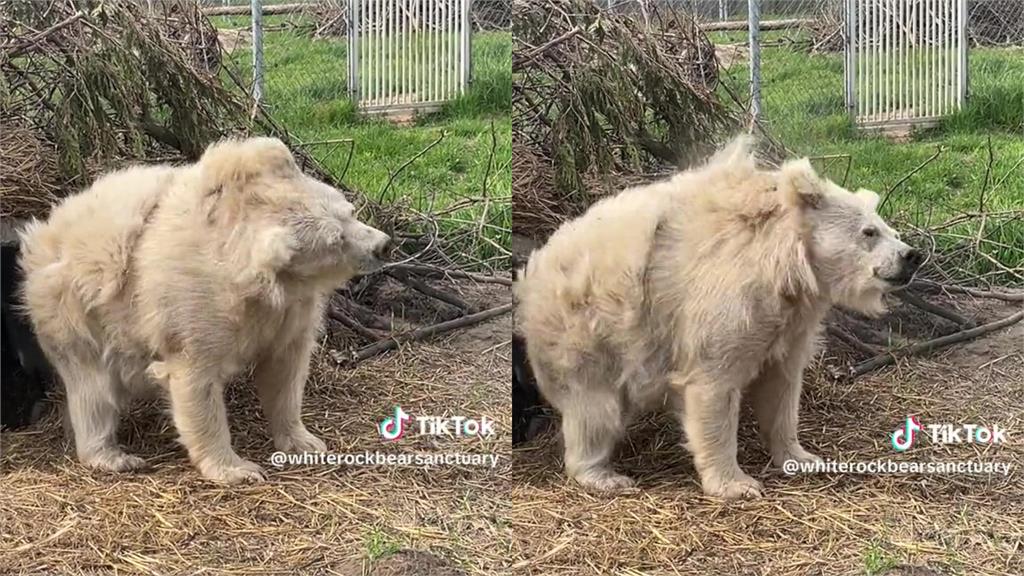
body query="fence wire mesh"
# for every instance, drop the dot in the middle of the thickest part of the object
(305, 46)
(800, 47)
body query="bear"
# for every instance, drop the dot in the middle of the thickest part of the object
(172, 280)
(692, 293)
(27, 374)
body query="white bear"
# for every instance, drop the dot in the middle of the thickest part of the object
(177, 279)
(692, 292)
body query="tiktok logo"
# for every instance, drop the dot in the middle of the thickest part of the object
(903, 438)
(392, 427)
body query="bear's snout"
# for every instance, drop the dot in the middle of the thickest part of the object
(912, 260)
(383, 249)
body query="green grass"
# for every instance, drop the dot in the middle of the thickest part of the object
(379, 545)
(878, 561)
(306, 91)
(803, 106)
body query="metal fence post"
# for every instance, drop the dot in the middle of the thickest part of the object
(354, 30)
(467, 44)
(754, 26)
(257, 50)
(963, 88)
(850, 51)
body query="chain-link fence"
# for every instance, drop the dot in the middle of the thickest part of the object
(297, 51)
(797, 86)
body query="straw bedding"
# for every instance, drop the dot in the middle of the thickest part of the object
(811, 524)
(61, 518)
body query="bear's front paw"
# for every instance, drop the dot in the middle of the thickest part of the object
(604, 480)
(114, 461)
(795, 453)
(298, 441)
(732, 486)
(237, 471)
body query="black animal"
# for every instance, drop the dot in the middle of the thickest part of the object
(526, 400)
(26, 373)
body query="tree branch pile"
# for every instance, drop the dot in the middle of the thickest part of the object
(83, 92)
(597, 93)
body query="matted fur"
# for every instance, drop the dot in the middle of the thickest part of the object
(691, 292)
(174, 279)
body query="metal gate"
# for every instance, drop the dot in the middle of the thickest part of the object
(906, 60)
(407, 54)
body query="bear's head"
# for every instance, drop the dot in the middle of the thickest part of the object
(855, 255)
(295, 227)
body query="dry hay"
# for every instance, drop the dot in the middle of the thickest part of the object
(830, 524)
(61, 518)
(596, 93)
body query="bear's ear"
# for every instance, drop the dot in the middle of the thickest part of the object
(233, 163)
(869, 198)
(270, 252)
(800, 185)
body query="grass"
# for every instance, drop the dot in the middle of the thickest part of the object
(379, 545)
(877, 561)
(803, 106)
(306, 91)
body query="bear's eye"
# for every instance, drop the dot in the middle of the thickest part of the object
(869, 232)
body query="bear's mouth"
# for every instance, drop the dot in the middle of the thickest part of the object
(896, 281)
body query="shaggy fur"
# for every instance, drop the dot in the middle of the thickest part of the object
(175, 279)
(691, 292)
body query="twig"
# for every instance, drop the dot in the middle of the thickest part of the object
(530, 55)
(17, 50)
(1005, 296)
(927, 346)
(852, 340)
(984, 184)
(419, 334)
(336, 313)
(939, 150)
(391, 179)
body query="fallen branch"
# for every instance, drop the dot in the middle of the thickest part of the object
(951, 289)
(13, 51)
(763, 25)
(528, 56)
(918, 302)
(431, 271)
(418, 334)
(428, 290)
(923, 347)
(245, 9)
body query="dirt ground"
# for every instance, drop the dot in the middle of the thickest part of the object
(827, 524)
(60, 518)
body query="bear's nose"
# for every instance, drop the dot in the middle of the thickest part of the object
(383, 249)
(912, 258)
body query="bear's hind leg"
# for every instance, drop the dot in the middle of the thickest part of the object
(592, 424)
(94, 409)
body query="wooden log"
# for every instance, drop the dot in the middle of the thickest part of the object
(245, 10)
